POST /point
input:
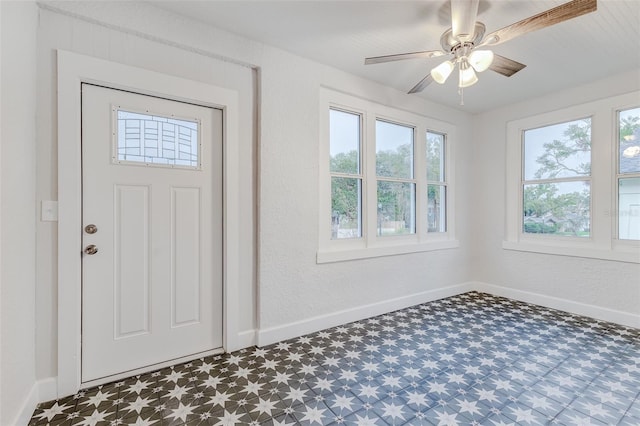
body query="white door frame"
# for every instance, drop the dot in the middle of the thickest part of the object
(74, 69)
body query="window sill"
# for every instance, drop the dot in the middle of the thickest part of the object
(331, 256)
(629, 254)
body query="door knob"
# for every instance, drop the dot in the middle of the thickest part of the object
(90, 249)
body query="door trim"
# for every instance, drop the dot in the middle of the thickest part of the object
(73, 70)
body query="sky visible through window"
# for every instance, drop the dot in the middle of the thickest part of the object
(389, 136)
(344, 132)
(534, 141)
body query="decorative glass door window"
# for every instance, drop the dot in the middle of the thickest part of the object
(156, 140)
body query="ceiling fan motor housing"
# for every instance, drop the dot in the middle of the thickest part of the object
(450, 43)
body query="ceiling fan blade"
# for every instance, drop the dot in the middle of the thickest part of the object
(544, 19)
(422, 84)
(505, 66)
(463, 18)
(403, 56)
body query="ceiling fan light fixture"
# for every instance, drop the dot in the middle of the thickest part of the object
(442, 72)
(466, 34)
(481, 60)
(467, 76)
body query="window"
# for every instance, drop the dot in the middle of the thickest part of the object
(436, 183)
(383, 186)
(573, 181)
(396, 187)
(556, 179)
(629, 174)
(156, 140)
(346, 179)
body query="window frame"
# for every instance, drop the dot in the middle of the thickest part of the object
(412, 180)
(444, 179)
(359, 175)
(370, 244)
(602, 242)
(557, 180)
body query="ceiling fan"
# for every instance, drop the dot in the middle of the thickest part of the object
(466, 35)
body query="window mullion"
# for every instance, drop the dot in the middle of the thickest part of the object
(346, 175)
(602, 170)
(393, 179)
(581, 178)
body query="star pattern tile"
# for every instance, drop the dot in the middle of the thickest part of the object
(471, 359)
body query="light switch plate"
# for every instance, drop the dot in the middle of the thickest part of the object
(49, 211)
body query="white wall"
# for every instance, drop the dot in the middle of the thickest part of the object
(586, 285)
(17, 211)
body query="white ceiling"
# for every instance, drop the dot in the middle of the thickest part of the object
(343, 33)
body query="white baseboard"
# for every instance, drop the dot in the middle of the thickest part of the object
(48, 389)
(28, 406)
(41, 391)
(311, 325)
(299, 328)
(605, 314)
(246, 339)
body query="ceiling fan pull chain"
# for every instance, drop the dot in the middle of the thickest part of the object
(461, 93)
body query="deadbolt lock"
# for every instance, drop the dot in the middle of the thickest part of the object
(91, 229)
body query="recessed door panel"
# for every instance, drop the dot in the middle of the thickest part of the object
(131, 254)
(186, 255)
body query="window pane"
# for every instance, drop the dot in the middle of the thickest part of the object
(629, 209)
(396, 208)
(344, 142)
(629, 136)
(394, 150)
(557, 151)
(436, 208)
(557, 208)
(150, 139)
(346, 194)
(435, 157)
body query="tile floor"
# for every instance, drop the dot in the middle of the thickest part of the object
(469, 359)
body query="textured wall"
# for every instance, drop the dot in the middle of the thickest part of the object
(605, 284)
(150, 50)
(292, 286)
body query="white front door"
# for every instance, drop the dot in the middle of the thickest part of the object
(152, 231)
